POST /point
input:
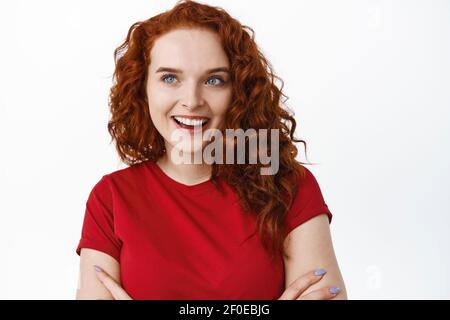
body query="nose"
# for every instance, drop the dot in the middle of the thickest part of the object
(192, 96)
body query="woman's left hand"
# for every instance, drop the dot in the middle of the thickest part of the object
(113, 287)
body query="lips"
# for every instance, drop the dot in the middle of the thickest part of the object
(189, 117)
(190, 128)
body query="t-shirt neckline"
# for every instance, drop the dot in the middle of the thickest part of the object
(195, 188)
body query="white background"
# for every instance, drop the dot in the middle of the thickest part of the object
(370, 85)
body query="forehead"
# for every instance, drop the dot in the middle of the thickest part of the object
(188, 48)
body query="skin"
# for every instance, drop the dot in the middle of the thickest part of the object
(310, 245)
(194, 91)
(190, 91)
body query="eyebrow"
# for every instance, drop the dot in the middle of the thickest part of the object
(166, 69)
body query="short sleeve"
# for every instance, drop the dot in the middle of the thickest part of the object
(98, 230)
(308, 202)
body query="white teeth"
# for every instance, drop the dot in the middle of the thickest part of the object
(191, 122)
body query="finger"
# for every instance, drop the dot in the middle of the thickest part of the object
(301, 284)
(116, 290)
(322, 294)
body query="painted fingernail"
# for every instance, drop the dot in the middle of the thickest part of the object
(320, 272)
(97, 268)
(335, 290)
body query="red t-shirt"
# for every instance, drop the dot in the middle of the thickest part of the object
(175, 241)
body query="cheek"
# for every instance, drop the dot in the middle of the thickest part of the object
(221, 104)
(158, 97)
(159, 103)
(159, 116)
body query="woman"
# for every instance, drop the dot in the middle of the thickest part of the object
(165, 229)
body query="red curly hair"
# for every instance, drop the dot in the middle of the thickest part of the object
(256, 103)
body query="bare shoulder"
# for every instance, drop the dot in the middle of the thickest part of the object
(89, 287)
(310, 247)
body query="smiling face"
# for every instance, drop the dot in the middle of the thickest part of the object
(188, 77)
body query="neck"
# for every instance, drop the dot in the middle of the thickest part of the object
(188, 174)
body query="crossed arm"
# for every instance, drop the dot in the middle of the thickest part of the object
(309, 246)
(89, 285)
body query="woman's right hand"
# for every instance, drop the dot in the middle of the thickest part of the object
(296, 288)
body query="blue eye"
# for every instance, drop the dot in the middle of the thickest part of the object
(220, 81)
(169, 78)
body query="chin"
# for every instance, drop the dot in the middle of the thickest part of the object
(186, 148)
